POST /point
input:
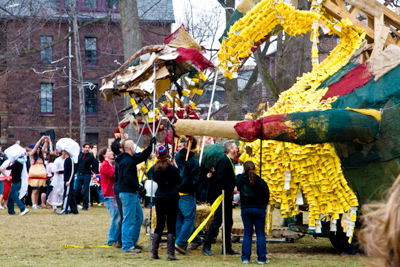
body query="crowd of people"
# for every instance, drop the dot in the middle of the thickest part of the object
(64, 176)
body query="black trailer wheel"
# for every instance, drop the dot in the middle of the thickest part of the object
(339, 240)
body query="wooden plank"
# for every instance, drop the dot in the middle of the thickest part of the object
(381, 34)
(354, 11)
(340, 13)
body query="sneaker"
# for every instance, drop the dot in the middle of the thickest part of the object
(1, 208)
(230, 252)
(263, 262)
(245, 261)
(24, 212)
(99, 205)
(117, 245)
(207, 252)
(80, 207)
(180, 249)
(35, 207)
(138, 246)
(193, 246)
(134, 250)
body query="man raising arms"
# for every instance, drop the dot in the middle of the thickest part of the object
(128, 186)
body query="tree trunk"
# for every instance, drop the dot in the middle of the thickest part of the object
(293, 56)
(132, 38)
(267, 80)
(78, 58)
(235, 101)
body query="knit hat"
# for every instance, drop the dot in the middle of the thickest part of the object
(162, 152)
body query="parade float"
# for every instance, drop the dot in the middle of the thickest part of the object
(329, 144)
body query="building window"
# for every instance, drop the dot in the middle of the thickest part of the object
(92, 138)
(46, 98)
(91, 50)
(68, 3)
(46, 55)
(91, 3)
(112, 4)
(91, 99)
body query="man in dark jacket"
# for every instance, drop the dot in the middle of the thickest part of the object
(87, 166)
(190, 171)
(128, 186)
(225, 179)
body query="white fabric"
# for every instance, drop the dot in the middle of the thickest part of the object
(24, 182)
(147, 186)
(384, 61)
(57, 181)
(13, 153)
(70, 146)
(4, 166)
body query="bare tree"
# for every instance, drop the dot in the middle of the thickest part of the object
(78, 58)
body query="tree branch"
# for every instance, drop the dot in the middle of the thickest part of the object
(250, 82)
(265, 76)
(59, 40)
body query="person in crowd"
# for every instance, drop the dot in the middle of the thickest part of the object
(149, 184)
(4, 166)
(37, 171)
(128, 186)
(57, 183)
(69, 203)
(166, 175)
(117, 150)
(50, 161)
(187, 203)
(225, 179)
(96, 194)
(203, 186)
(178, 159)
(3, 156)
(17, 169)
(379, 234)
(87, 168)
(254, 197)
(106, 157)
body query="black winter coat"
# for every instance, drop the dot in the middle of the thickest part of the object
(127, 172)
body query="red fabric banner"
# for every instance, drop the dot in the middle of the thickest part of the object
(273, 126)
(355, 78)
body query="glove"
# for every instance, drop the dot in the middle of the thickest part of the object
(153, 141)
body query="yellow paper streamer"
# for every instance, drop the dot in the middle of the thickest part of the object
(214, 207)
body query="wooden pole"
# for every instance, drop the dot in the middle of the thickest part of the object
(188, 150)
(261, 137)
(223, 225)
(209, 112)
(153, 150)
(173, 128)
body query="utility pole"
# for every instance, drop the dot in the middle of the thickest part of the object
(82, 114)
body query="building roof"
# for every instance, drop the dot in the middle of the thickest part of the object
(149, 10)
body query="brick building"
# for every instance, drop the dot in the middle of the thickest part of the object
(35, 89)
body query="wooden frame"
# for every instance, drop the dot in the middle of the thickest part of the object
(383, 25)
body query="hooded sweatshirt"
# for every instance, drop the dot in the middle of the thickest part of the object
(127, 172)
(190, 173)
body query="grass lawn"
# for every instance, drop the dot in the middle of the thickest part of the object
(35, 239)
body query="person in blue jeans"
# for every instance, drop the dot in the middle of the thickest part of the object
(13, 198)
(128, 186)
(190, 172)
(254, 197)
(88, 166)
